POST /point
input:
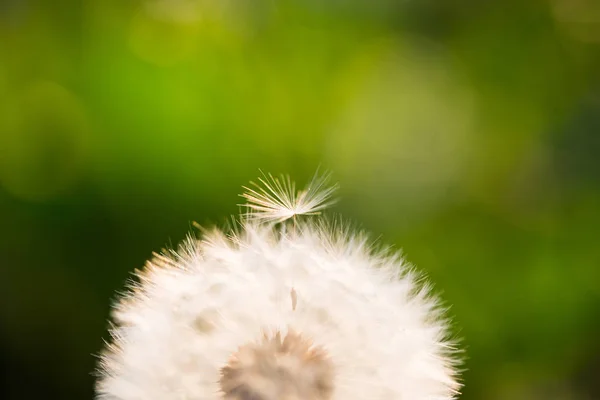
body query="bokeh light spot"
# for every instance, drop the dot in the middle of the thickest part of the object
(44, 142)
(408, 122)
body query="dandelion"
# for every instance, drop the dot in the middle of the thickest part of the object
(261, 313)
(276, 200)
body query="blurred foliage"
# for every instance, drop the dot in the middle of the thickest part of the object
(465, 131)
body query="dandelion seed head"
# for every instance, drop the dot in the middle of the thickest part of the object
(259, 314)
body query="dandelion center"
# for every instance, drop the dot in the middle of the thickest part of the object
(278, 367)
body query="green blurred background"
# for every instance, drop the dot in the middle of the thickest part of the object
(464, 131)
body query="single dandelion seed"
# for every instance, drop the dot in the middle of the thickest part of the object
(213, 321)
(276, 199)
(294, 297)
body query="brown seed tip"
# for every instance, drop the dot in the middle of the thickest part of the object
(294, 298)
(278, 368)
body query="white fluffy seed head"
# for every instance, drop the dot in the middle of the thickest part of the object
(268, 313)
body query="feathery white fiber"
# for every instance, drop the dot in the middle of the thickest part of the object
(270, 313)
(277, 200)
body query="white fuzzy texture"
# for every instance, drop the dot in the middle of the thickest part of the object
(276, 199)
(194, 307)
